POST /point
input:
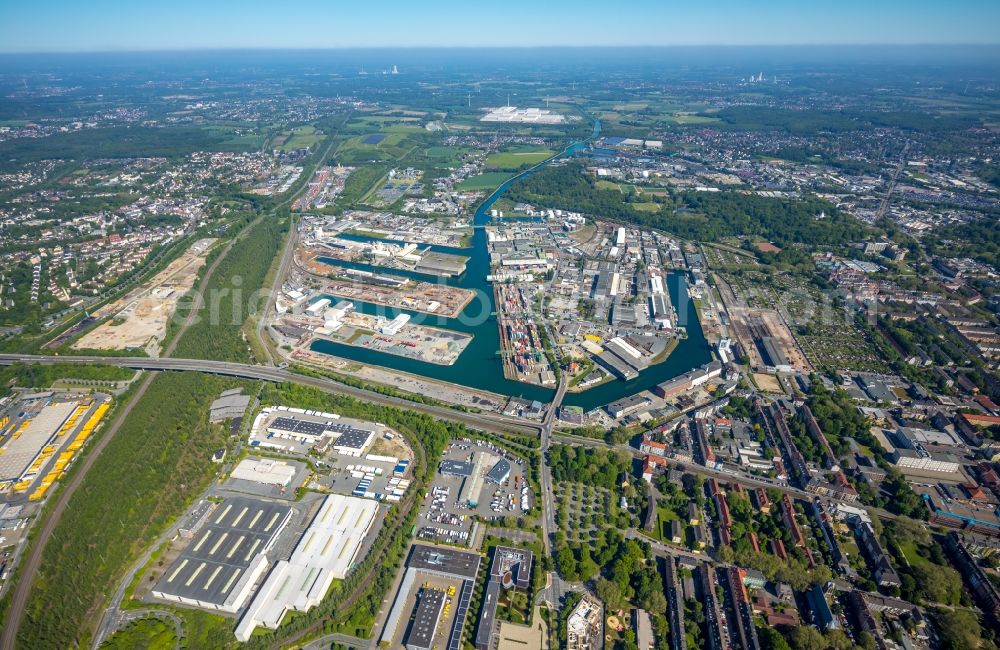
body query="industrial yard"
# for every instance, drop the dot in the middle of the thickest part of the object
(431, 606)
(138, 320)
(524, 350)
(388, 225)
(398, 336)
(232, 553)
(256, 548)
(403, 245)
(363, 459)
(326, 184)
(40, 435)
(425, 297)
(474, 479)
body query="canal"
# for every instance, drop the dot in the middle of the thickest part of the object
(480, 365)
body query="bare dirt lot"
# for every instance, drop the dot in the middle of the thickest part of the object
(139, 319)
(767, 383)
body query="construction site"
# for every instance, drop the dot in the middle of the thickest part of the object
(763, 334)
(138, 320)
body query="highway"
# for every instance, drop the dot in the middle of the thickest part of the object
(19, 599)
(491, 422)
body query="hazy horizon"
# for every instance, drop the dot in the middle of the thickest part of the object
(62, 26)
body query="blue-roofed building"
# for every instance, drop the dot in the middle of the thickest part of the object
(499, 473)
(822, 616)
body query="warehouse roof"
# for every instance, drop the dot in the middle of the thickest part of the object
(354, 439)
(18, 454)
(326, 551)
(293, 425)
(444, 560)
(264, 470)
(499, 472)
(455, 468)
(426, 619)
(215, 560)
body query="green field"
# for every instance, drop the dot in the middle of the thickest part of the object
(378, 121)
(356, 151)
(909, 550)
(448, 155)
(298, 138)
(236, 138)
(687, 118)
(517, 159)
(487, 181)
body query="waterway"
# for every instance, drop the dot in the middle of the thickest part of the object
(480, 365)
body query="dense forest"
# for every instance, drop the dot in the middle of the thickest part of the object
(39, 376)
(979, 239)
(231, 297)
(116, 142)
(148, 473)
(702, 216)
(810, 122)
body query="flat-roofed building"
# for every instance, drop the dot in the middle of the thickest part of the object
(772, 355)
(267, 471)
(326, 552)
(440, 562)
(455, 468)
(226, 557)
(354, 442)
(19, 454)
(426, 619)
(511, 569)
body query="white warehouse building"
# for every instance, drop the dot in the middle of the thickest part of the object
(396, 324)
(325, 552)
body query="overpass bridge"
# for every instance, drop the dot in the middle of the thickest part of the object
(490, 422)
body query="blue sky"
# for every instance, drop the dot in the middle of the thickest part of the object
(100, 25)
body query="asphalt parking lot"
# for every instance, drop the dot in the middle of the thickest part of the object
(447, 514)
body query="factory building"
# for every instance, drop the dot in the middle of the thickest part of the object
(265, 471)
(426, 619)
(326, 552)
(348, 440)
(396, 324)
(473, 485)
(772, 355)
(628, 406)
(226, 556)
(455, 468)
(688, 380)
(500, 472)
(660, 309)
(318, 307)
